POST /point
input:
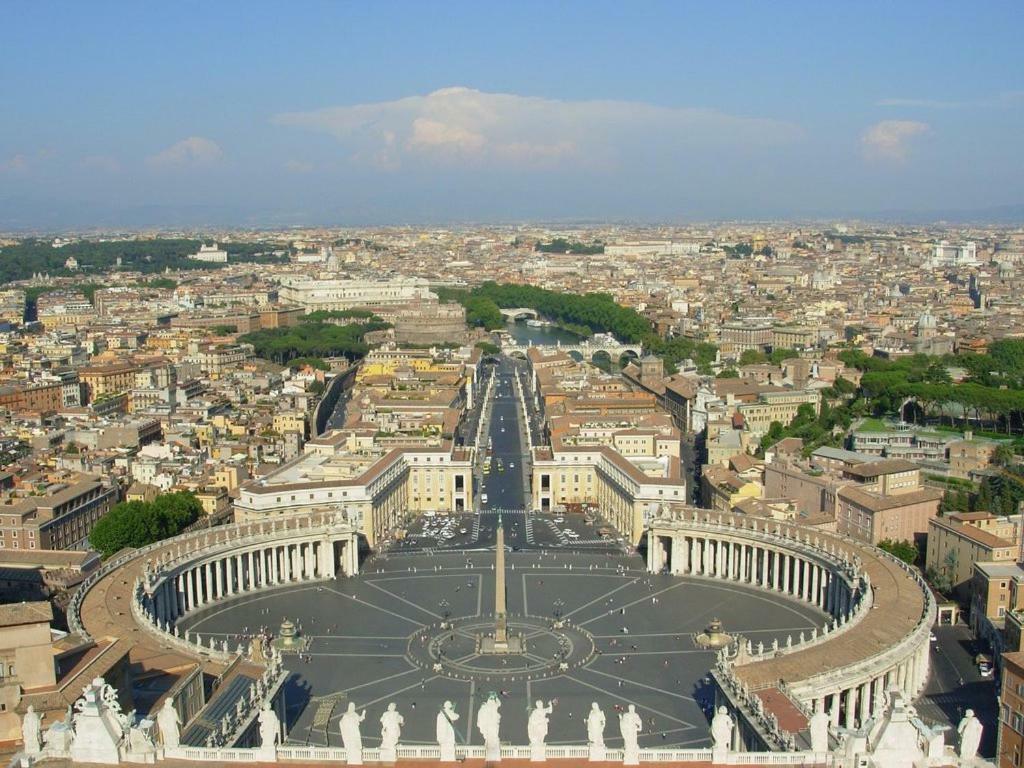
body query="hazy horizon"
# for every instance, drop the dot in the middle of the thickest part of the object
(323, 114)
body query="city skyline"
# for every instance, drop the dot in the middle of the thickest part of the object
(407, 113)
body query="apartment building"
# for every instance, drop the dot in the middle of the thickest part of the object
(42, 397)
(958, 540)
(100, 381)
(1010, 741)
(59, 515)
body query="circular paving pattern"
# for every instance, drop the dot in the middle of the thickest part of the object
(376, 638)
(453, 648)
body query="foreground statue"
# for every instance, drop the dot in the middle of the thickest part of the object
(818, 727)
(488, 722)
(390, 731)
(31, 731)
(270, 728)
(537, 729)
(721, 731)
(168, 723)
(630, 725)
(969, 730)
(595, 734)
(350, 737)
(445, 729)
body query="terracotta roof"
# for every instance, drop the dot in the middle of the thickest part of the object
(13, 614)
(893, 501)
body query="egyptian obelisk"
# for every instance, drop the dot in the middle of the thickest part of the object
(500, 621)
(501, 641)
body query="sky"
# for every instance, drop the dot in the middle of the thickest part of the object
(264, 114)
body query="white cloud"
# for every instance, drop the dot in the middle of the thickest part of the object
(467, 127)
(890, 139)
(193, 151)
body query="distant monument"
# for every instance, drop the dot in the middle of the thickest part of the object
(501, 642)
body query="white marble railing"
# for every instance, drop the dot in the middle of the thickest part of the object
(861, 608)
(190, 546)
(166, 637)
(508, 752)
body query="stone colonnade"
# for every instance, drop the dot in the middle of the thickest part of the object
(805, 575)
(286, 558)
(823, 571)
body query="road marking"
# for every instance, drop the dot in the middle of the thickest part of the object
(407, 602)
(641, 685)
(377, 607)
(637, 704)
(602, 597)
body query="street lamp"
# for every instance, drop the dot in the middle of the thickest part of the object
(559, 606)
(445, 607)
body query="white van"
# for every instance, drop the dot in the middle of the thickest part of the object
(483, 498)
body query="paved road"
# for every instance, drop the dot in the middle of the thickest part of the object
(955, 685)
(505, 487)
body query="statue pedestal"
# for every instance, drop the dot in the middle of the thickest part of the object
(537, 754)
(98, 727)
(492, 753)
(265, 754)
(631, 756)
(598, 753)
(388, 754)
(719, 756)
(447, 753)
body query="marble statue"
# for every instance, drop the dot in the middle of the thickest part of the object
(140, 742)
(350, 737)
(537, 729)
(445, 729)
(595, 733)
(390, 730)
(721, 731)
(488, 722)
(818, 727)
(99, 726)
(630, 724)
(970, 736)
(31, 731)
(168, 721)
(270, 727)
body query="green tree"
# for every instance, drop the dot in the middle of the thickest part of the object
(904, 550)
(138, 523)
(752, 357)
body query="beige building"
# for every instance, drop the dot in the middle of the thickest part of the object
(995, 592)
(290, 421)
(100, 381)
(377, 489)
(626, 491)
(959, 540)
(872, 518)
(26, 659)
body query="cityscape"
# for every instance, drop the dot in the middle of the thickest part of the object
(526, 427)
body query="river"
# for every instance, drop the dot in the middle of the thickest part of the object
(550, 335)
